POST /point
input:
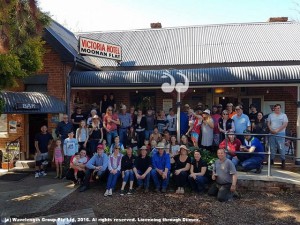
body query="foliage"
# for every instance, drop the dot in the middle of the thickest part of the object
(206, 156)
(21, 46)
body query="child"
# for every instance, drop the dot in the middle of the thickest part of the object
(58, 158)
(148, 146)
(75, 162)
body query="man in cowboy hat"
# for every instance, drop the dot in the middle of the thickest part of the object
(142, 168)
(161, 166)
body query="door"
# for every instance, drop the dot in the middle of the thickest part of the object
(36, 121)
(143, 100)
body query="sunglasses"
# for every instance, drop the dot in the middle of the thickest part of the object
(225, 114)
(109, 110)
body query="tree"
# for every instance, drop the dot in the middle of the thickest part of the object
(21, 46)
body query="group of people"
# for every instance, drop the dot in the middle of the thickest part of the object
(84, 142)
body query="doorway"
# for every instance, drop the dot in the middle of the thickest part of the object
(143, 100)
(35, 121)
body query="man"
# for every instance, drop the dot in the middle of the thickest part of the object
(220, 109)
(253, 113)
(277, 123)
(184, 120)
(216, 116)
(125, 123)
(142, 168)
(63, 128)
(231, 112)
(241, 122)
(150, 123)
(225, 177)
(160, 172)
(110, 122)
(42, 143)
(251, 161)
(96, 165)
(76, 118)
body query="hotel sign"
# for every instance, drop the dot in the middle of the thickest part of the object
(99, 49)
(29, 106)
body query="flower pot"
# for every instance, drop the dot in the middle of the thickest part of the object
(5, 165)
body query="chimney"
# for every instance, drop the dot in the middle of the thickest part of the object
(278, 19)
(155, 25)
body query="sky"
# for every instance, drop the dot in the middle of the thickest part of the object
(104, 15)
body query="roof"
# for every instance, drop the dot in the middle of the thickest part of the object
(193, 45)
(200, 76)
(66, 44)
(48, 104)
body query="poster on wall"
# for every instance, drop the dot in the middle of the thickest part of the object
(3, 126)
(268, 106)
(12, 126)
(167, 104)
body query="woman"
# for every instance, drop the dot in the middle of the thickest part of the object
(185, 141)
(111, 102)
(259, 126)
(114, 167)
(161, 121)
(207, 129)
(174, 147)
(82, 135)
(80, 167)
(140, 126)
(225, 124)
(198, 177)
(156, 136)
(127, 171)
(132, 138)
(231, 144)
(96, 135)
(182, 164)
(90, 119)
(117, 143)
(103, 105)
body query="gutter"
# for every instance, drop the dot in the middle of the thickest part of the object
(68, 100)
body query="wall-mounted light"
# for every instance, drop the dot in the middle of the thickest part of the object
(223, 98)
(194, 90)
(267, 91)
(219, 90)
(137, 91)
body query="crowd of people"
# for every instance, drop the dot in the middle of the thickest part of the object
(137, 146)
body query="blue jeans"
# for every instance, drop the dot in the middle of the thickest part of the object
(277, 143)
(199, 183)
(128, 174)
(148, 133)
(158, 181)
(123, 135)
(144, 181)
(252, 163)
(112, 180)
(235, 161)
(111, 135)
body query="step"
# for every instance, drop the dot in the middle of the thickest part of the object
(25, 164)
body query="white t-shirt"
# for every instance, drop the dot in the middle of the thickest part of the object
(172, 121)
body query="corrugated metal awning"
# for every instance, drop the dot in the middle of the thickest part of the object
(202, 76)
(31, 103)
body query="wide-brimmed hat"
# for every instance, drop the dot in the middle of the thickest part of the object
(184, 147)
(123, 107)
(95, 117)
(207, 111)
(160, 145)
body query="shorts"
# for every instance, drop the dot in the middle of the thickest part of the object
(194, 137)
(59, 160)
(40, 158)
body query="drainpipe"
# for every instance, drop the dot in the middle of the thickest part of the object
(68, 101)
(297, 160)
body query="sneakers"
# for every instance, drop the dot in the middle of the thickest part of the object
(83, 188)
(37, 175)
(157, 190)
(146, 190)
(163, 190)
(258, 170)
(130, 192)
(106, 193)
(283, 164)
(110, 192)
(122, 192)
(42, 174)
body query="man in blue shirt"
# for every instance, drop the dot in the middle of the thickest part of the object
(160, 172)
(125, 123)
(252, 160)
(96, 165)
(63, 128)
(241, 122)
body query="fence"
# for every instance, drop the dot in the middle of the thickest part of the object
(291, 147)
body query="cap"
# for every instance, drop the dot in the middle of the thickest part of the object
(246, 132)
(123, 107)
(100, 146)
(207, 111)
(143, 147)
(187, 105)
(95, 117)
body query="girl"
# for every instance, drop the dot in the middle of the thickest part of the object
(58, 158)
(161, 121)
(156, 136)
(96, 134)
(132, 138)
(82, 135)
